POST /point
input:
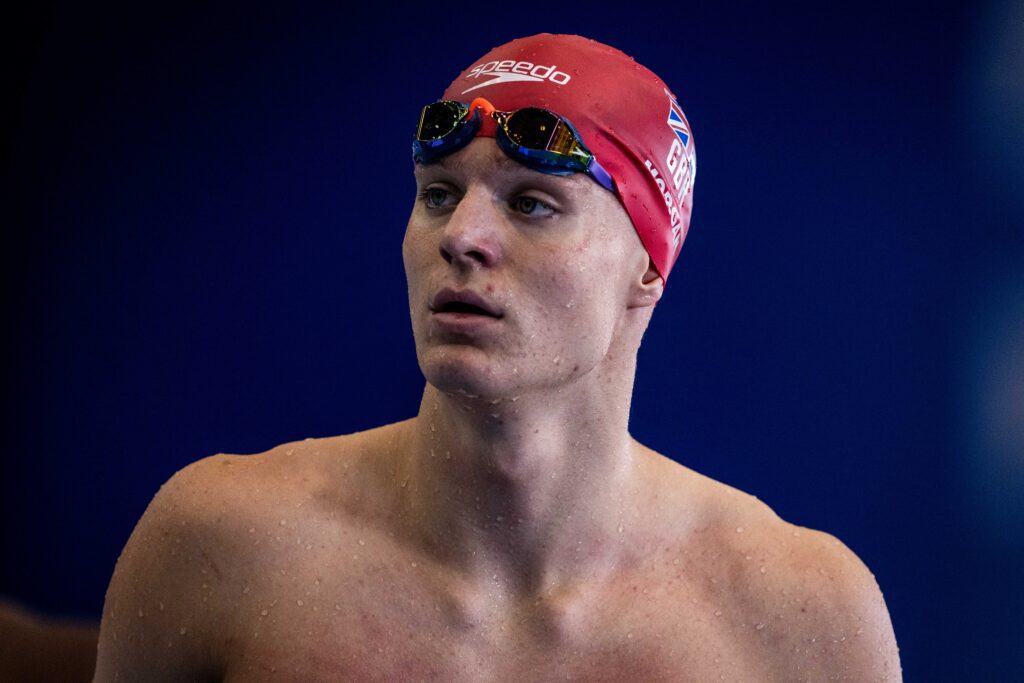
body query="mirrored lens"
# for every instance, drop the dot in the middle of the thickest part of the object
(532, 128)
(439, 119)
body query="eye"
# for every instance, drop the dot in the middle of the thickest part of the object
(531, 206)
(435, 197)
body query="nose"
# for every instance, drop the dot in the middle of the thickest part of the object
(471, 238)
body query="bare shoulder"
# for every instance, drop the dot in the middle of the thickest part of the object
(800, 601)
(155, 623)
(826, 606)
(206, 542)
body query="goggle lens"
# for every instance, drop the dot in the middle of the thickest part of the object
(439, 119)
(531, 128)
(540, 129)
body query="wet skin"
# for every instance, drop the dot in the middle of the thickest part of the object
(513, 530)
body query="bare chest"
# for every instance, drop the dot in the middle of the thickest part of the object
(401, 621)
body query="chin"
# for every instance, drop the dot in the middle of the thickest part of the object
(468, 374)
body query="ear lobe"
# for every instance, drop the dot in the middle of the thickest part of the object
(650, 288)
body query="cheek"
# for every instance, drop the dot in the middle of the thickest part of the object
(587, 274)
(416, 248)
(577, 293)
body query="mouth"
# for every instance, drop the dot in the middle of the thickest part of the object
(464, 303)
(463, 307)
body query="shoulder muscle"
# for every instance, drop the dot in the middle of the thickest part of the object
(161, 610)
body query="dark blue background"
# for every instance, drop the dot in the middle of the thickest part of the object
(203, 213)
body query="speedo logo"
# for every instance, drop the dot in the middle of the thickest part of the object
(509, 71)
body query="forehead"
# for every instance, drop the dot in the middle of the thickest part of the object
(483, 158)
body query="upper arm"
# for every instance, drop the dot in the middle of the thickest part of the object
(158, 618)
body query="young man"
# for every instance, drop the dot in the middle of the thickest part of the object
(512, 530)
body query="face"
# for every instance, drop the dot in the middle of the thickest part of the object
(518, 280)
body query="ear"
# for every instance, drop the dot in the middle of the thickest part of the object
(648, 291)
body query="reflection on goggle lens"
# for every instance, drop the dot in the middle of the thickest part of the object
(439, 119)
(531, 128)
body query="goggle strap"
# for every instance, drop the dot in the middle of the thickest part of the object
(602, 176)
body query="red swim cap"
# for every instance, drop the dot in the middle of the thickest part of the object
(626, 115)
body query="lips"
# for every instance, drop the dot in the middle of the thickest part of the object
(464, 302)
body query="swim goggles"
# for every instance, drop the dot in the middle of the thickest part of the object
(535, 137)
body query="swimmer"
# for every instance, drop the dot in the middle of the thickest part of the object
(513, 530)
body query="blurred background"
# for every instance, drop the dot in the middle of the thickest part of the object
(204, 204)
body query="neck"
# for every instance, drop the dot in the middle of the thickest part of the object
(524, 491)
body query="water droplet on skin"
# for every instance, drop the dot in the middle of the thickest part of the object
(759, 627)
(252, 530)
(283, 523)
(161, 607)
(675, 561)
(764, 570)
(620, 528)
(182, 631)
(739, 530)
(299, 602)
(362, 542)
(556, 360)
(264, 613)
(245, 591)
(413, 564)
(718, 612)
(141, 613)
(629, 635)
